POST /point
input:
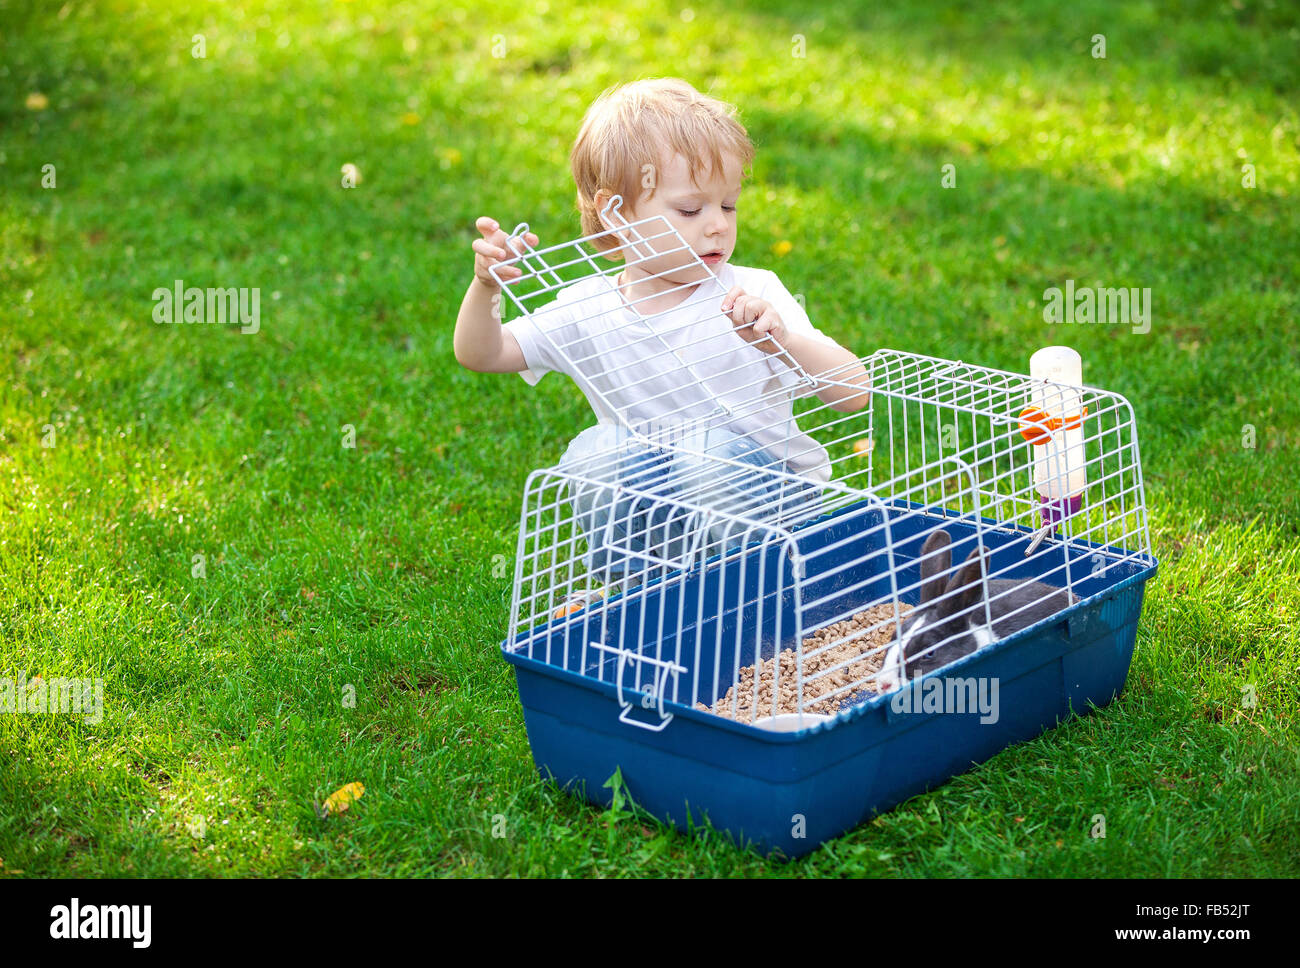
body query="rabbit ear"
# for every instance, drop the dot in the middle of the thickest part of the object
(935, 559)
(964, 589)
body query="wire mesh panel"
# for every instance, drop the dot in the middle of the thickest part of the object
(664, 360)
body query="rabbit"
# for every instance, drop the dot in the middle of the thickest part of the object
(943, 613)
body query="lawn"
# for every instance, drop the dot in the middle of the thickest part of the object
(275, 614)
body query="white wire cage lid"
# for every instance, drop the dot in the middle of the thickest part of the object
(692, 399)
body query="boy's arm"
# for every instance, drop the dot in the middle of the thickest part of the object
(817, 353)
(817, 358)
(481, 343)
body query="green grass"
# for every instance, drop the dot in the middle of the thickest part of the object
(372, 568)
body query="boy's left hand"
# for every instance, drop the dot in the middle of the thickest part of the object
(750, 309)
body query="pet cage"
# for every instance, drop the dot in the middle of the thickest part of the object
(784, 647)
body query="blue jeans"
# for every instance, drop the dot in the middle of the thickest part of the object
(628, 534)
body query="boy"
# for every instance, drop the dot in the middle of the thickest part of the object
(666, 150)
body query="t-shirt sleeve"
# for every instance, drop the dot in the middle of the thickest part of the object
(796, 321)
(538, 352)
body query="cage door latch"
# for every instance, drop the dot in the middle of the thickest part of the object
(653, 698)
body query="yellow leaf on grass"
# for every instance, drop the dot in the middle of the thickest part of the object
(410, 118)
(342, 798)
(784, 247)
(36, 101)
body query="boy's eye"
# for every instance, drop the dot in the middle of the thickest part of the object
(725, 208)
(696, 212)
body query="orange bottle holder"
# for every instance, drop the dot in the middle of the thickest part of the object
(1033, 420)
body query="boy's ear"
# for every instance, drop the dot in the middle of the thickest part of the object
(618, 241)
(602, 200)
(625, 207)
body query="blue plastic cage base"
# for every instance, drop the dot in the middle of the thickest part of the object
(793, 791)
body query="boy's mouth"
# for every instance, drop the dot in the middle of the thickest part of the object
(712, 258)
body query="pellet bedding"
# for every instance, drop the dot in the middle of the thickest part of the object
(866, 647)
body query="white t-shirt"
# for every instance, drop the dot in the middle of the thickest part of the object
(677, 364)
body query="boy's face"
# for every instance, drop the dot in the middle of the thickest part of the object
(704, 216)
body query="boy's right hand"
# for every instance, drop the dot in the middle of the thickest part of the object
(495, 247)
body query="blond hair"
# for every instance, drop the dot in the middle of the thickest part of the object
(643, 123)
